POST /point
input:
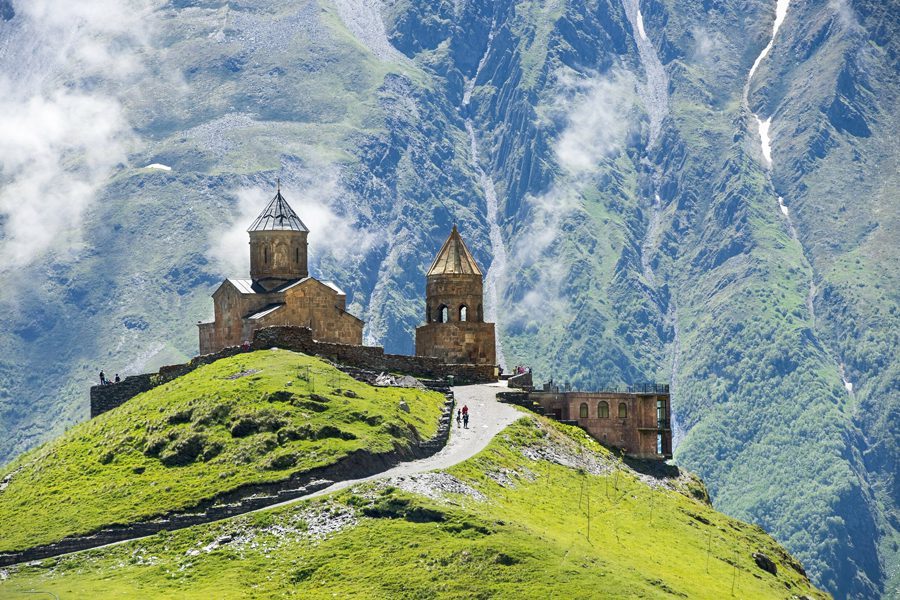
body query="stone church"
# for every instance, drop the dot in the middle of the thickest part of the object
(280, 290)
(454, 329)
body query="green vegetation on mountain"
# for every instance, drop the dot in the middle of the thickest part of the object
(708, 288)
(542, 510)
(252, 418)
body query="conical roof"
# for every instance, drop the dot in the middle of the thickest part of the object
(278, 216)
(454, 258)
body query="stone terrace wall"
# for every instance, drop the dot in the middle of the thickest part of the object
(297, 339)
(108, 397)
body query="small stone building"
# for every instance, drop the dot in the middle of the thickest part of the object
(638, 422)
(454, 329)
(280, 290)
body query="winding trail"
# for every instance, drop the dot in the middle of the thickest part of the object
(488, 418)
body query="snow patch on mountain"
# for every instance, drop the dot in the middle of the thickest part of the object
(763, 125)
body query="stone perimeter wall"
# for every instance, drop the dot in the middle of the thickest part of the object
(297, 339)
(249, 497)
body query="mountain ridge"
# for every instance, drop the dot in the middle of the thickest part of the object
(604, 283)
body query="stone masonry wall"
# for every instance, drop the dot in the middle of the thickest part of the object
(297, 339)
(458, 342)
(300, 339)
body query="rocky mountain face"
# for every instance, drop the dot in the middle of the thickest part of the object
(657, 190)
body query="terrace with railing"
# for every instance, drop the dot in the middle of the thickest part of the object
(634, 388)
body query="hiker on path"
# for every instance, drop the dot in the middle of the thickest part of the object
(458, 417)
(117, 378)
(465, 420)
(102, 378)
(465, 409)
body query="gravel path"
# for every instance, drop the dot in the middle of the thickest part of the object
(487, 418)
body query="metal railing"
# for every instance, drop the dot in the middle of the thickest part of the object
(634, 388)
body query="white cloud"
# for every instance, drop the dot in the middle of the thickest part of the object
(64, 131)
(543, 300)
(845, 13)
(707, 47)
(55, 153)
(597, 113)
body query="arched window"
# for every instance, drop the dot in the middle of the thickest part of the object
(583, 411)
(463, 313)
(480, 314)
(603, 410)
(427, 314)
(297, 255)
(266, 254)
(443, 314)
(623, 410)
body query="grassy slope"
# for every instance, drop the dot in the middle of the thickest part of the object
(201, 435)
(300, 95)
(519, 531)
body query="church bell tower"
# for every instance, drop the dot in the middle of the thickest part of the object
(454, 329)
(278, 245)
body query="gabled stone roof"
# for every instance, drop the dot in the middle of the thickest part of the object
(454, 258)
(278, 216)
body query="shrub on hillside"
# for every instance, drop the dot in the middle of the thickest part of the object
(281, 461)
(262, 421)
(183, 450)
(330, 431)
(217, 414)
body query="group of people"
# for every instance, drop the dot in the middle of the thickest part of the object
(521, 370)
(462, 416)
(104, 380)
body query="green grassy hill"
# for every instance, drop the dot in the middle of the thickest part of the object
(252, 418)
(543, 511)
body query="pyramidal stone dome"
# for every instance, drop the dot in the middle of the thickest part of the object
(454, 258)
(278, 216)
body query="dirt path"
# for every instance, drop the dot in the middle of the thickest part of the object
(487, 418)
